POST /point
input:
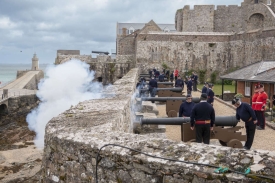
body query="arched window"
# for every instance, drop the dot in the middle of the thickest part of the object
(131, 30)
(268, 2)
(166, 29)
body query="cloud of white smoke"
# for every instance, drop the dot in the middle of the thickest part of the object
(64, 85)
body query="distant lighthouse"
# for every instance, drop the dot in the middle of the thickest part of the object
(35, 64)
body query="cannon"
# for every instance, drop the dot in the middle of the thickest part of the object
(165, 84)
(166, 92)
(172, 103)
(101, 52)
(148, 79)
(225, 129)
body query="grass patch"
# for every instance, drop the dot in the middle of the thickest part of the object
(218, 88)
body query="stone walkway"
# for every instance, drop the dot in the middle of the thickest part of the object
(264, 139)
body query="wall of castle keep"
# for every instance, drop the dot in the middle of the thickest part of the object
(73, 139)
(232, 18)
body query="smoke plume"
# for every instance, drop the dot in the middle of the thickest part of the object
(64, 85)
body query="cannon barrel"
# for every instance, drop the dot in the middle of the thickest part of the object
(219, 121)
(148, 79)
(163, 99)
(104, 52)
(161, 89)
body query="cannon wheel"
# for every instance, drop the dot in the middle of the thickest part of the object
(234, 143)
(172, 113)
(192, 140)
(223, 143)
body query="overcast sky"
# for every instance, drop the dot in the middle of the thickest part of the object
(44, 26)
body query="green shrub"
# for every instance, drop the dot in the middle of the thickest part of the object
(201, 76)
(213, 77)
(164, 66)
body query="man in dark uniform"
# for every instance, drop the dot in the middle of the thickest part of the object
(211, 94)
(157, 74)
(153, 85)
(205, 88)
(186, 107)
(167, 74)
(150, 73)
(179, 82)
(171, 77)
(189, 86)
(195, 81)
(161, 77)
(245, 112)
(203, 117)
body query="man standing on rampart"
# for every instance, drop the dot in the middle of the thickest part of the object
(260, 107)
(186, 107)
(189, 86)
(176, 74)
(211, 94)
(203, 118)
(153, 85)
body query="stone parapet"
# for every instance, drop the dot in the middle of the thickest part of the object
(73, 139)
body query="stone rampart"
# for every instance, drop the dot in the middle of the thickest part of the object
(74, 138)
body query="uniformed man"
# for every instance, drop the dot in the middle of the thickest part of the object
(205, 88)
(194, 81)
(179, 82)
(254, 98)
(211, 94)
(260, 107)
(176, 73)
(161, 77)
(245, 112)
(153, 85)
(150, 73)
(189, 86)
(203, 118)
(186, 107)
(172, 77)
(157, 74)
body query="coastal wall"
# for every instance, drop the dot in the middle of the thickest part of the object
(73, 139)
(33, 82)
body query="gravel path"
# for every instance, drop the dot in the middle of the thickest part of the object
(264, 139)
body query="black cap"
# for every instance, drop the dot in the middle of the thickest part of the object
(188, 96)
(210, 85)
(235, 100)
(203, 96)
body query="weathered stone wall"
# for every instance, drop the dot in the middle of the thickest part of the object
(13, 125)
(228, 19)
(73, 139)
(33, 83)
(21, 73)
(204, 51)
(232, 18)
(201, 19)
(126, 45)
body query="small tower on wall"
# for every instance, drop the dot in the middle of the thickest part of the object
(35, 64)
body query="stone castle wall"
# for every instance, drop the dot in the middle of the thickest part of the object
(205, 51)
(74, 138)
(232, 18)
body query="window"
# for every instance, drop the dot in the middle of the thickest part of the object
(268, 2)
(247, 89)
(131, 30)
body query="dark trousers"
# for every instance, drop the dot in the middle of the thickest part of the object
(189, 91)
(250, 132)
(195, 85)
(261, 118)
(152, 91)
(203, 133)
(176, 77)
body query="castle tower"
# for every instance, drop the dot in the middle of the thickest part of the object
(35, 64)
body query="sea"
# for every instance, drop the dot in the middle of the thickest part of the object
(8, 71)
